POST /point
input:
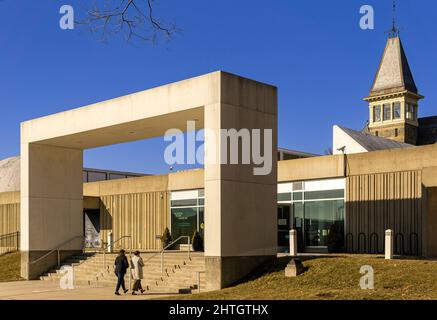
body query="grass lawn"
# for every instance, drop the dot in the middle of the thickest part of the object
(10, 267)
(337, 277)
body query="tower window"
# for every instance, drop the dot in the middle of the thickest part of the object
(396, 110)
(387, 112)
(376, 113)
(409, 111)
(396, 132)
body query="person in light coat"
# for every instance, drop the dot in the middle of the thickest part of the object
(137, 272)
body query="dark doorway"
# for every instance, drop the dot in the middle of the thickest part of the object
(91, 231)
(284, 212)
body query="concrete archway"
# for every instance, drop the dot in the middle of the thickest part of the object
(240, 207)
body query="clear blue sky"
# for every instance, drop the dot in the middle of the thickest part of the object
(314, 51)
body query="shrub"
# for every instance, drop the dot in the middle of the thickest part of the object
(166, 238)
(197, 241)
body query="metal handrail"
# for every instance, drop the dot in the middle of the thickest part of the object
(9, 242)
(8, 235)
(165, 248)
(56, 249)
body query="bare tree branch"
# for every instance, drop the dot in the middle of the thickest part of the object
(134, 19)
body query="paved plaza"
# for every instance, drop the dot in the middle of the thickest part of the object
(46, 290)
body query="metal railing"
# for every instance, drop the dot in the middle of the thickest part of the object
(9, 242)
(403, 244)
(168, 246)
(58, 250)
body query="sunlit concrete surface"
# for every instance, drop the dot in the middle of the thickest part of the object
(46, 290)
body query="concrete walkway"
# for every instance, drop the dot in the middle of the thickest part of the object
(47, 290)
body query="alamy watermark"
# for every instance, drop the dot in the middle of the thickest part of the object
(67, 278)
(224, 146)
(67, 19)
(367, 281)
(367, 21)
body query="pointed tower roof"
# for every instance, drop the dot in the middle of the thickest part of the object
(394, 73)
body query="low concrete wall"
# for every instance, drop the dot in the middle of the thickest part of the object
(223, 272)
(311, 168)
(44, 265)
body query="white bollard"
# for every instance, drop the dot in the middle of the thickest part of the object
(293, 243)
(110, 241)
(388, 244)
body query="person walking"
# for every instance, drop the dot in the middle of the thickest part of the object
(137, 272)
(120, 267)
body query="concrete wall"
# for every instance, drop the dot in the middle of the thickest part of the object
(51, 203)
(235, 198)
(311, 168)
(140, 215)
(381, 201)
(9, 220)
(393, 160)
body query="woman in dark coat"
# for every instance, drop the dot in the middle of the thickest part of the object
(120, 267)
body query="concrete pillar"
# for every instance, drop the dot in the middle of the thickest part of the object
(293, 243)
(389, 244)
(240, 223)
(51, 205)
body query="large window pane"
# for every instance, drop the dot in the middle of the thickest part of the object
(376, 113)
(387, 112)
(325, 194)
(284, 196)
(183, 222)
(297, 196)
(409, 111)
(184, 203)
(397, 110)
(320, 218)
(96, 176)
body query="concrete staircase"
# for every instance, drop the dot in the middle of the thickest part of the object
(179, 276)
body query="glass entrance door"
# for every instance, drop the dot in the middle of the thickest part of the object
(283, 225)
(298, 224)
(324, 223)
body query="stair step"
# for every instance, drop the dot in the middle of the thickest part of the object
(180, 272)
